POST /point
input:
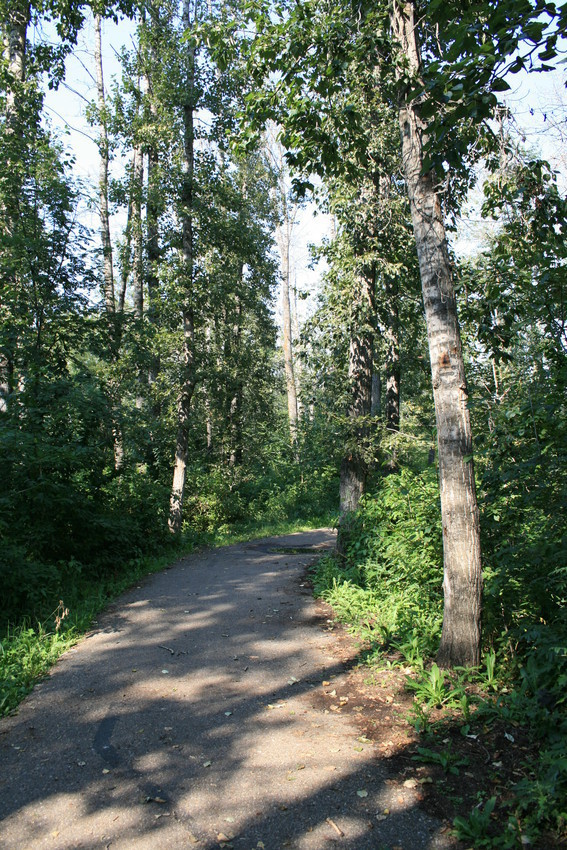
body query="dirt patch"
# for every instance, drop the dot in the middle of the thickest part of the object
(455, 767)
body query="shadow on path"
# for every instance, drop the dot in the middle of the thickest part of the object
(189, 718)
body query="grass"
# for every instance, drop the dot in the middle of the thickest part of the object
(515, 711)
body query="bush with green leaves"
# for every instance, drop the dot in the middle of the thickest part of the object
(388, 582)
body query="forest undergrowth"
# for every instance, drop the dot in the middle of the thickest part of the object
(49, 602)
(387, 589)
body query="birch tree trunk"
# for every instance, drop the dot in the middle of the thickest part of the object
(462, 582)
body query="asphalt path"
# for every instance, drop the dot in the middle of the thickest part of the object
(187, 718)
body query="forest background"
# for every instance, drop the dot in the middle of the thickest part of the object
(150, 401)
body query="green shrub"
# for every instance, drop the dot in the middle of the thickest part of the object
(388, 582)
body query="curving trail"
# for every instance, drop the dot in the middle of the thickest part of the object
(189, 719)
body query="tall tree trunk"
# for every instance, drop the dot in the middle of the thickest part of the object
(14, 42)
(138, 253)
(376, 392)
(235, 413)
(462, 583)
(354, 467)
(137, 236)
(153, 255)
(188, 380)
(14, 37)
(108, 265)
(283, 237)
(108, 270)
(393, 369)
(297, 366)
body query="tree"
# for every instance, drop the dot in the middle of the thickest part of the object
(441, 102)
(462, 582)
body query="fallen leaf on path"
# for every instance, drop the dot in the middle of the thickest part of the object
(292, 680)
(227, 713)
(411, 783)
(207, 763)
(362, 793)
(325, 683)
(165, 671)
(105, 770)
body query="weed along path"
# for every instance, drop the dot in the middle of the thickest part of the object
(193, 717)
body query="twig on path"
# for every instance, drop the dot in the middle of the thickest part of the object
(335, 827)
(173, 652)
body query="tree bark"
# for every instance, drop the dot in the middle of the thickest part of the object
(153, 255)
(283, 236)
(462, 582)
(108, 270)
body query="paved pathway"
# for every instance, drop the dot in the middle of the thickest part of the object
(188, 719)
